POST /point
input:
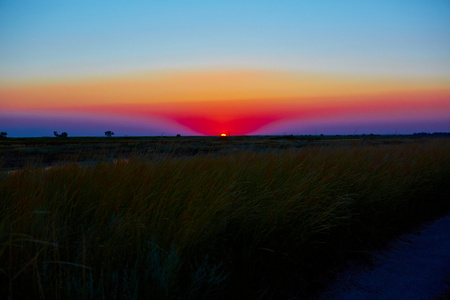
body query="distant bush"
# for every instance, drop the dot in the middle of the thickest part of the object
(63, 134)
(109, 133)
(3, 134)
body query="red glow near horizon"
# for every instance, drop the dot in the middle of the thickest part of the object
(242, 117)
(246, 116)
(238, 126)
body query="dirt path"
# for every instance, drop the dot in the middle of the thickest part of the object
(416, 266)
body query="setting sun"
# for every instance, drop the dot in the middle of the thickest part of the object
(223, 135)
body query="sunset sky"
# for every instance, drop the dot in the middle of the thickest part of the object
(208, 67)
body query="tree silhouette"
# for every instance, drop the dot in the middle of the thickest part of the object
(63, 134)
(3, 135)
(109, 133)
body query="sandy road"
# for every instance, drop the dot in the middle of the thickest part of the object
(416, 266)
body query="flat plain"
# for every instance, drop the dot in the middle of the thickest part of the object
(206, 217)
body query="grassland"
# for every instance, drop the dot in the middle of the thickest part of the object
(202, 218)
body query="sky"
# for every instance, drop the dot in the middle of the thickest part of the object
(209, 67)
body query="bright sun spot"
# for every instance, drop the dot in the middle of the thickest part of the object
(223, 134)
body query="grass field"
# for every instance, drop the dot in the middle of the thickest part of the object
(202, 218)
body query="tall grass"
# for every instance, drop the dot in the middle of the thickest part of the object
(254, 224)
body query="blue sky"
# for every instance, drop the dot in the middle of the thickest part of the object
(47, 39)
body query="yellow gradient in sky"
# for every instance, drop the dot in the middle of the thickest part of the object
(185, 86)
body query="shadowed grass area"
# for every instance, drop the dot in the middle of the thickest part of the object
(252, 224)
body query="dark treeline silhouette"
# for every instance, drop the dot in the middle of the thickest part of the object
(431, 134)
(110, 133)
